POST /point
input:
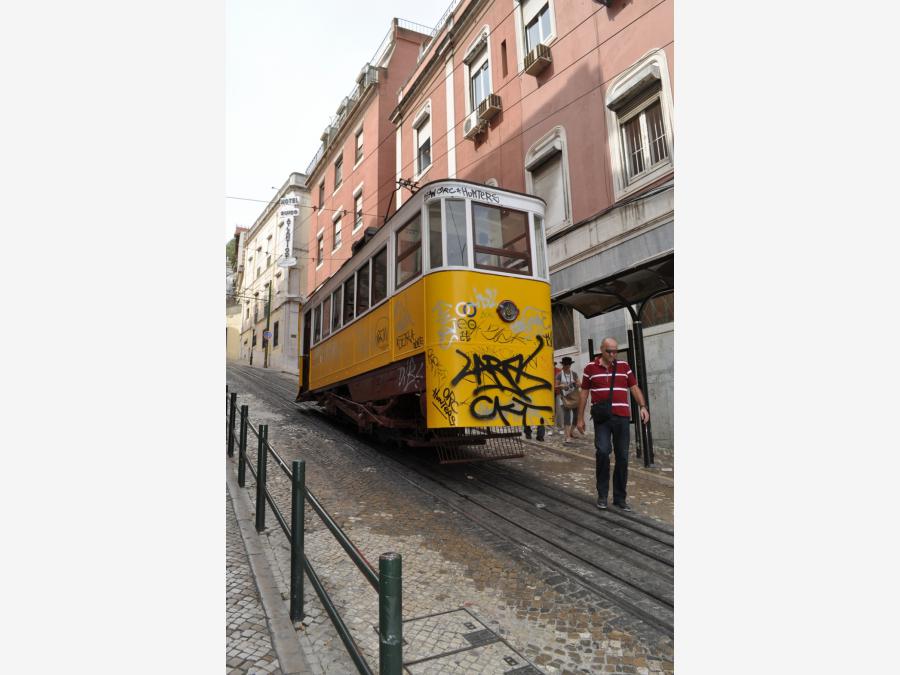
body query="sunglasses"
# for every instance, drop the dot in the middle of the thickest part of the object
(611, 351)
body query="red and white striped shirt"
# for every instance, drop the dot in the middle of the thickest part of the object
(596, 380)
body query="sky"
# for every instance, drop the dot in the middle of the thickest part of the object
(288, 64)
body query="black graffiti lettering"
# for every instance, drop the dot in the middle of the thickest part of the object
(381, 337)
(445, 403)
(506, 378)
(516, 408)
(465, 336)
(409, 338)
(548, 338)
(501, 335)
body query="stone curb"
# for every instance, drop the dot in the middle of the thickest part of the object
(281, 630)
(663, 480)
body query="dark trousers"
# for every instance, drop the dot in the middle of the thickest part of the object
(614, 434)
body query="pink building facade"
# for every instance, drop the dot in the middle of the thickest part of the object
(351, 178)
(572, 101)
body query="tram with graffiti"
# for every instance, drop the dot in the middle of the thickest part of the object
(437, 331)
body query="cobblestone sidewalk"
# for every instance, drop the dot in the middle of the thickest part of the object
(249, 647)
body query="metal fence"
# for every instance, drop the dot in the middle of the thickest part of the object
(387, 581)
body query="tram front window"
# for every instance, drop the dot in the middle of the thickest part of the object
(435, 238)
(409, 251)
(457, 247)
(501, 239)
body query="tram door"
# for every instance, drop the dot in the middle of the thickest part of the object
(304, 352)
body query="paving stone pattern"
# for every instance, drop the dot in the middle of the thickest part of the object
(448, 563)
(248, 649)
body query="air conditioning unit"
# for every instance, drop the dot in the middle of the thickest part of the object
(489, 107)
(538, 59)
(472, 126)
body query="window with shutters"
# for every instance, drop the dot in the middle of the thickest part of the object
(422, 143)
(359, 146)
(547, 176)
(357, 209)
(477, 70)
(638, 110)
(320, 249)
(338, 172)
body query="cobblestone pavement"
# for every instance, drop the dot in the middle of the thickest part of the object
(248, 648)
(535, 614)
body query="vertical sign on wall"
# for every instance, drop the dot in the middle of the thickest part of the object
(288, 214)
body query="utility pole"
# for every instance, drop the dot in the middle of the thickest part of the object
(266, 340)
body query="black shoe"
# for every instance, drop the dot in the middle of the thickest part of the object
(622, 505)
(601, 504)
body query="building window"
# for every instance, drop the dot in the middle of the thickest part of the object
(336, 235)
(247, 316)
(275, 335)
(563, 326)
(379, 276)
(536, 17)
(644, 142)
(546, 175)
(338, 172)
(357, 210)
(320, 249)
(479, 78)
(422, 141)
(408, 251)
(321, 194)
(638, 111)
(362, 289)
(501, 239)
(253, 344)
(359, 146)
(659, 310)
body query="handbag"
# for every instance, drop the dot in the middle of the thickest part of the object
(602, 410)
(571, 398)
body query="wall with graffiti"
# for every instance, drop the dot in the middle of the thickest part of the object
(481, 370)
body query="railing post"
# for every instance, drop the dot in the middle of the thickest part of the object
(261, 478)
(298, 501)
(390, 614)
(242, 446)
(231, 411)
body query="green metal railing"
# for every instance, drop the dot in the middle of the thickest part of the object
(387, 581)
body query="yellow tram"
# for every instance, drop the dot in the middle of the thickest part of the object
(437, 331)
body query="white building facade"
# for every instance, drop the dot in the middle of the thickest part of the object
(272, 268)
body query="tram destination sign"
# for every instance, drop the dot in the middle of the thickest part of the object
(463, 191)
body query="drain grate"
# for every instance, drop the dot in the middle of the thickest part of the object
(479, 638)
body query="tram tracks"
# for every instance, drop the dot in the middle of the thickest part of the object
(623, 557)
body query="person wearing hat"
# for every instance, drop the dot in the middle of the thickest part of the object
(567, 389)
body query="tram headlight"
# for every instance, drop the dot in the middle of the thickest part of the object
(508, 310)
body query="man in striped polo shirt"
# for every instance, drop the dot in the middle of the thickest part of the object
(613, 433)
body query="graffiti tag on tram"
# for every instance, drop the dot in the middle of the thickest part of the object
(445, 403)
(503, 386)
(410, 375)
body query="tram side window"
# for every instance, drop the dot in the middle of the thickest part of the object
(317, 324)
(349, 295)
(435, 239)
(409, 251)
(336, 310)
(540, 248)
(379, 276)
(501, 239)
(457, 248)
(362, 289)
(326, 317)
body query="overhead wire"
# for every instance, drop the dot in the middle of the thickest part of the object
(511, 80)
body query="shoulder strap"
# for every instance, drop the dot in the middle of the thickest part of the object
(612, 379)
